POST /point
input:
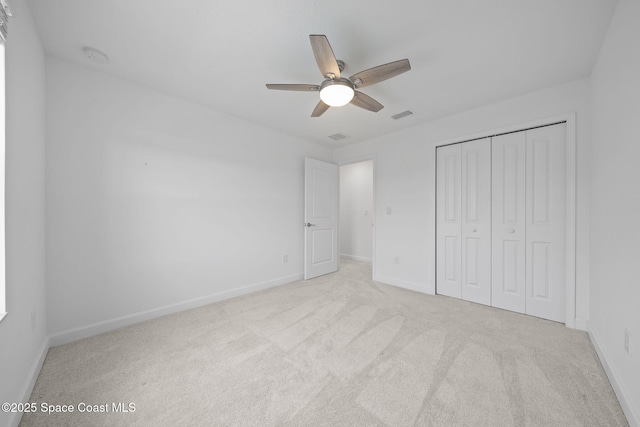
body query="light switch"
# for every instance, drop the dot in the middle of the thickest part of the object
(388, 210)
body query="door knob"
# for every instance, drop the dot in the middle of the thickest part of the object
(511, 230)
(308, 224)
(474, 230)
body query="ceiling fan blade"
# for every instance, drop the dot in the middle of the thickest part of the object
(320, 109)
(324, 56)
(365, 101)
(380, 73)
(298, 87)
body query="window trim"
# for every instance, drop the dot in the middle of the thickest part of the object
(3, 279)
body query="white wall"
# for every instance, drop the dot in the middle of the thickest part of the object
(22, 343)
(615, 207)
(356, 210)
(405, 182)
(156, 204)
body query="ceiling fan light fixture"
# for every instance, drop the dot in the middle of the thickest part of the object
(337, 93)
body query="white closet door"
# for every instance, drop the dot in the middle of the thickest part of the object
(545, 254)
(508, 222)
(476, 221)
(448, 221)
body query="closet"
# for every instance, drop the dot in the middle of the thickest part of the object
(500, 218)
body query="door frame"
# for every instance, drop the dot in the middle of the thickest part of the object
(570, 202)
(348, 161)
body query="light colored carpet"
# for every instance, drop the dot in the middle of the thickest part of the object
(338, 350)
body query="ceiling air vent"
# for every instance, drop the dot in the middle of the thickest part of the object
(338, 136)
(401, 115)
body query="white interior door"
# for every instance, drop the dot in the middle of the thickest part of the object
(545, 254)
(321, 218)
(448, 220)
(508, 221)
(476, 221)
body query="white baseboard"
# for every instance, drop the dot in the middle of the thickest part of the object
(418, 287)
(633, 418)
(356, 258)
(30, 382)
(75, 334)
(581, 324)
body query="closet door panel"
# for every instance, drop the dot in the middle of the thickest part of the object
(476, 221)
(545, 255)
(508, 222)
(448, 221)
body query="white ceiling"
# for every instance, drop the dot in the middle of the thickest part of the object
(463, 53)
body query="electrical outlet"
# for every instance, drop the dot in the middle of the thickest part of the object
(396, 260)
(285, 258)
(627, 341)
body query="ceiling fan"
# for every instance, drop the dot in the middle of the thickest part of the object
(335, 90)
